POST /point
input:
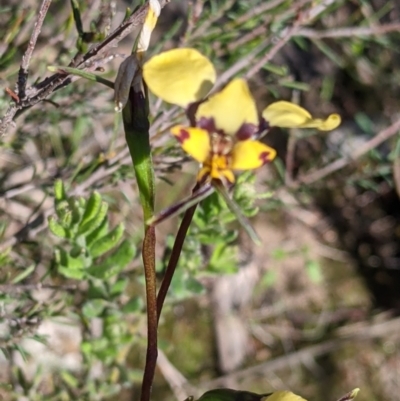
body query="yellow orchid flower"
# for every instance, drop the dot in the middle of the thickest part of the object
(222, 135)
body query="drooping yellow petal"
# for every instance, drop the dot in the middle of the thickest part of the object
(283, 396)
(149, 24)
(248, 155)
(194, 141)
(179, 76)
(230, 108)
(289, 115)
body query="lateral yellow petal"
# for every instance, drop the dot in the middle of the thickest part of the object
(289, 115)
(179, 76)
(248, 155)
(231, 107)
(283, 396)
(194, 141)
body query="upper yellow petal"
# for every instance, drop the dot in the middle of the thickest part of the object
(289, 115)
(248, 155)
(194, 141)
(230, 108)
(283, 396)
(179, 76)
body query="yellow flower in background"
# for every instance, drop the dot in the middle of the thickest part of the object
(227, 123)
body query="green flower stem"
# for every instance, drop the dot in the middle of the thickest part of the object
(136, 124)
(175, 254)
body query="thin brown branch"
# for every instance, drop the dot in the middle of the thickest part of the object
(349, 31)
(344, 161)
(26, 58)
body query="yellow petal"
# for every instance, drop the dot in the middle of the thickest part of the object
(248, 155)
(179, 76)
(289, 115)
(283, 396)
(194, 141)
(150, 22)
(230, 108)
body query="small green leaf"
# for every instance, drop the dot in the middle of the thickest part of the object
(301, 86)
(119, 287)
(95, 222)
(93, 308)
(59, 191)
(69, 379)
(70, 262)
(109, 241)
(23, 274)
(99, 232)
(114, 263)
(226, 394)
(134, 305)
(56, 228)
(80, 73)
(70, 273)
(314, 271)
(92, 207)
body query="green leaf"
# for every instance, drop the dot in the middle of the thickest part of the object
(23, 274)
(99, 232)
(93, 206)
(93, 308)
(59, 191)
(314, 271)
(83, 74)
(114, 263)
(69, 379)
(108, 242)
(119, 287)
(226, 394)
(72, 274)
(95, 222)
(56, 228)
(70, 262)
(134, 305)
(301, 86)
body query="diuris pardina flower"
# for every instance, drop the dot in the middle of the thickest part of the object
(222, 135)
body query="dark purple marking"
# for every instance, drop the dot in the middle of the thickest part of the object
(208, 124)
(265, 157)
(246, 131)
(263, 126)
(183, 135)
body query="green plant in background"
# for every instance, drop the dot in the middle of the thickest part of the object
(84, 227)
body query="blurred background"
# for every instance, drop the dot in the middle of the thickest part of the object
(313, 310)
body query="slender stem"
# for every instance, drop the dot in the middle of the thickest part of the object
(148, 254)
(26, 58)
(174, 258)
